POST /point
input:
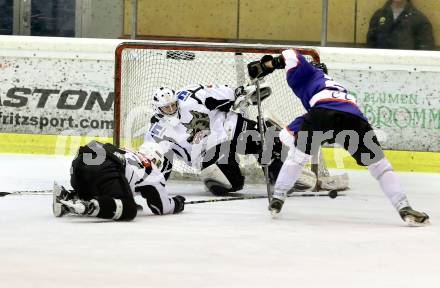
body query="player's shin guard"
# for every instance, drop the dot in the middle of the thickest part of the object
(287, 177)
(390, 185)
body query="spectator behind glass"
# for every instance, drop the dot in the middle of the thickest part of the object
(399, 25)
(6, 14)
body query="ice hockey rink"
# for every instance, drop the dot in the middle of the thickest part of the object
(357, 240)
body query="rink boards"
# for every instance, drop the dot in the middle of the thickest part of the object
(53, 86)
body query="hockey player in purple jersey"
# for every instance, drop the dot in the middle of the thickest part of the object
(332, 117)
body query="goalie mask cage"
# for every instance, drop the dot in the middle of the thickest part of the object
(142, 67)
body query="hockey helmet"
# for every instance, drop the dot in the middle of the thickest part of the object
(165, 105)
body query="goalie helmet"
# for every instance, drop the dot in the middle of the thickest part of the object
(165, 105)
(153, 152)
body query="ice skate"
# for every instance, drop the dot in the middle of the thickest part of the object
(275, 206)
(413, 217)
(59, 193)
(81, 207)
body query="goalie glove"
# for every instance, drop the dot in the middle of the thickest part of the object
(245, 96)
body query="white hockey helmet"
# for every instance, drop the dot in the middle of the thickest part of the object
(153, 152)
(165, 104)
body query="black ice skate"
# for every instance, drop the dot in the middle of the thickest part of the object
(413, 217)
(81, 207)
(59, 193)
(275, 205)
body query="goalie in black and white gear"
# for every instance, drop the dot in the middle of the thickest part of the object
(209, 133)
(105, 180)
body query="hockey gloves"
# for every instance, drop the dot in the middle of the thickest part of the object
(320, 66)
(179, 204)
(247, 95)
(267, 64)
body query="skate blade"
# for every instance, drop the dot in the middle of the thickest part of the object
(411, 222)
(274, 213)
(57, 208)
(57, 189)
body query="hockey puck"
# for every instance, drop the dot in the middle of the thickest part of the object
(333, 194)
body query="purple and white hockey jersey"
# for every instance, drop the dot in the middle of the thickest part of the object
(316, 89)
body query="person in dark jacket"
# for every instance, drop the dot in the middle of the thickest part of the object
(399, 25)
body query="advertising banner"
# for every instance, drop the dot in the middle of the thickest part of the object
(53, 96)
(64, 86)
(403, 106)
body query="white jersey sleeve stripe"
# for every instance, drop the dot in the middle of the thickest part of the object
(290, 58)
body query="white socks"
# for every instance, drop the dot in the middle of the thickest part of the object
(290, 172)
(389, 183)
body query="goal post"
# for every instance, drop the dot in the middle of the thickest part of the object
(142, 67)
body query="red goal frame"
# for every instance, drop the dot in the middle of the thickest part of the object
(188, 46)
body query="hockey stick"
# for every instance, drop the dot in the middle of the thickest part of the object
(332, 194)
(262, 136)
(27, 192)
(225, 199)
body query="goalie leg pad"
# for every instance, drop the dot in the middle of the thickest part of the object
(306, 180)
(336, 182)
(222, 178)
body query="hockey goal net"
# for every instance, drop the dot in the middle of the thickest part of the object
(142, 67)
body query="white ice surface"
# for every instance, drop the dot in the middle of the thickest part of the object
(352, 241)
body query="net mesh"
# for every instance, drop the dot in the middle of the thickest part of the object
(144, 69)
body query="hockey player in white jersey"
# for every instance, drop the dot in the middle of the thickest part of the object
(197, 124)
(105, 180)
(331, 113)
